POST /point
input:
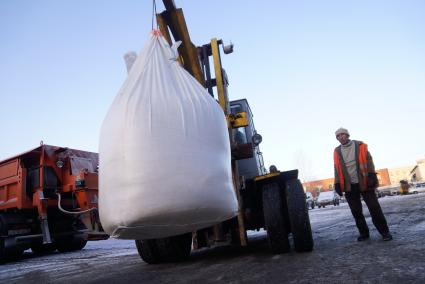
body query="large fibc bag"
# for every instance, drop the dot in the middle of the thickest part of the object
(165, 164)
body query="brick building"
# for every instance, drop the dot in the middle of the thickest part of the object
(386, 177)
(383, 177)
(317, 186)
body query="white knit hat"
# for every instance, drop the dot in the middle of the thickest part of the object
(341, 130)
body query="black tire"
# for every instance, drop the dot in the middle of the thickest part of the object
(170, 249)
(3, 232)
(148, 251)
(298, 216)
(41, 249)
(12, 252)
(73, 243)
(2, 251)
(274, 218)
(235, 236)
(312, 205)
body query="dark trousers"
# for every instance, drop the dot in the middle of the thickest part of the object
(355, 203)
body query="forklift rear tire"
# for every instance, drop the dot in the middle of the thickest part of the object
(274, 219)
(170, 249)
(298, 216)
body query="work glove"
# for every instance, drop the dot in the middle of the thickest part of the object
(372, 180)
(337, 188)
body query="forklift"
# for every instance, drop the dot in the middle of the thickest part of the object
(274, 201)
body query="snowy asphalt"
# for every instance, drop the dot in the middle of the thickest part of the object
(337, 256)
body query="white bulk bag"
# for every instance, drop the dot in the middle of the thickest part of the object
(165, 164)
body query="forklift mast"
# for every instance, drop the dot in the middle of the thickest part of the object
(173, 19)
(195, 59)
(196, 62)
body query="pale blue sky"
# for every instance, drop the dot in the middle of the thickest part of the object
(306, 67)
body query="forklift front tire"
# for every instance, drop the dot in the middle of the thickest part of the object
(298, 216)
(170, 249)
(274, 219)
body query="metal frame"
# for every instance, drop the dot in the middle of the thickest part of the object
(196, 62)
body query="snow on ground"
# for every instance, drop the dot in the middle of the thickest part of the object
(94, 251)
(334, 232)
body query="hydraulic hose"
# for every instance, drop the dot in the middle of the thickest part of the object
(71, 212)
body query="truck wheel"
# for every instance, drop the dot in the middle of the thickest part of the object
(2, 244)
(43, 248)
(298, 216)
(7, 252)
(2, 251)
(274, 218)
(170, 249)
(71, 244)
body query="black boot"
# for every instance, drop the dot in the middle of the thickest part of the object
(362, 238)
(387, 237)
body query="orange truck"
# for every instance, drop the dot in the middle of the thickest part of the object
(48, 201)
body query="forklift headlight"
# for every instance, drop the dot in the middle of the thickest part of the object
(59, 164)
(228, 48)
(256, 139)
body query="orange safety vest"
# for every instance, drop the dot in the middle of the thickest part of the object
(362, 158)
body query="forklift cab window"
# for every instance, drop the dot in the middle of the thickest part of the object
(240, 135)
(234, 109)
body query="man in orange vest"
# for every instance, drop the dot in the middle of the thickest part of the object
(355, 175)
